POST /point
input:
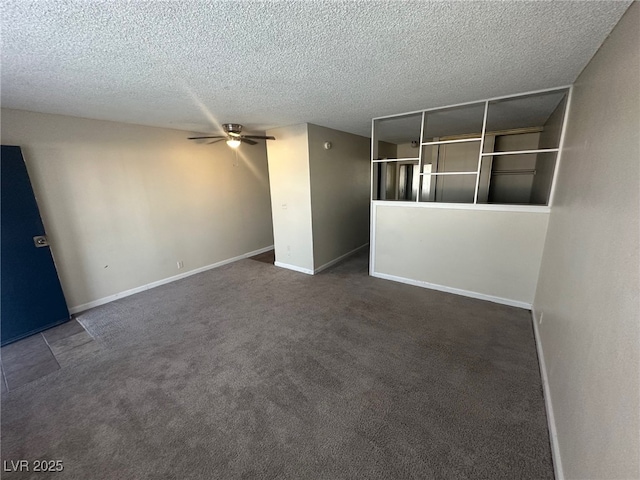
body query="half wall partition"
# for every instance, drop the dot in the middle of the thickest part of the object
(481, 176)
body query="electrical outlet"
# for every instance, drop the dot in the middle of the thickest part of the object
(180, 264)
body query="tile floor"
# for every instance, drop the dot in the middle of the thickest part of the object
(44, 353)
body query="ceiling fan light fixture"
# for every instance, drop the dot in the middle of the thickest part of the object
(233, 136)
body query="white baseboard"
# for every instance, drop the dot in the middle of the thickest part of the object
(551, 420)
(142, 288)
(457, 291)
(309, 271)
(295, 268)
(340, 258)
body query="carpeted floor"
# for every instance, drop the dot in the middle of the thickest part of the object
(252, 371)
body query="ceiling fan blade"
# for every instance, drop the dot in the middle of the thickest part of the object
(215, 141)
(259, 137)
(208, 136)
(246, 140)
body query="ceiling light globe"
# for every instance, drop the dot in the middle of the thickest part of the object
(233, 142)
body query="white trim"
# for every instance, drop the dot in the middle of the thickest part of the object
(521, 152)
(456, 291)
(466, 206)
(551, 420)
(373, 151)
(461, 140)
(340, 258)
(164, 281)
(372, 237)
(372, 208)
(420, 159)
(464, 104)
(565, 121)
(448, 173)
(395, 159)
(295, 268)
(482, 137)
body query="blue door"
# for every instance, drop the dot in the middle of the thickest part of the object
(32, 298)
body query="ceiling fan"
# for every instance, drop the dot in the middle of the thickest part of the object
(234, 136)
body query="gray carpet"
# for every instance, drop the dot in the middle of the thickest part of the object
(251, 371)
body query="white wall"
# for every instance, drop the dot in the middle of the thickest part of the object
(123, 203)
(290, 182)
(589, 286)
(340, 190)
(489, 254)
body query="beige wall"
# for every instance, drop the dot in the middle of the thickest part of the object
(387, 150)
(123, 203)
(291, 196)
(320, 197)
(492, 253)
(340, 190)
(405, 150)
(589, 286)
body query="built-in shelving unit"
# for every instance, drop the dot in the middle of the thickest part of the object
(499, 151)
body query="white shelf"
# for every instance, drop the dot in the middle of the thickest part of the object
(520, 152)
(449, 173)
(460, 140)
(484, 159)
(500, 207)
(396, 160)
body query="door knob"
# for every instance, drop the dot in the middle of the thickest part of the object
(40, 241)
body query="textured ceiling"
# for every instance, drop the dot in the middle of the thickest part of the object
(193, 64)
